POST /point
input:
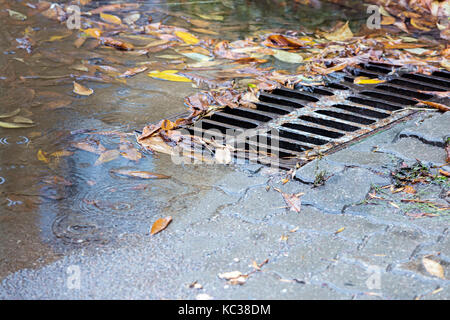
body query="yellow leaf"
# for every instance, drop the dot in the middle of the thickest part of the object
(340, 230)
(160, 225)
(62, 153)
(187, 37)
(81, 90)
(93, 32)
(110, 18)
(365, 80)
(169, 75)
(41, 156)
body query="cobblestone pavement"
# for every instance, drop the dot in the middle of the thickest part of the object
(344, 244)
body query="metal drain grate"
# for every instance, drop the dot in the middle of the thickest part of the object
(323, 119)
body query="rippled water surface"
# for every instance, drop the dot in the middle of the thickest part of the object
(53, 204)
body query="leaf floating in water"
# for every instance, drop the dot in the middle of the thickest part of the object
(118, 44)
(107, 156)
(140, 174)
(62, 153)
(20, 119)
(90, 146)
(132, 18)
(42, 157)
(9, 125)
(81, 90)
(169, 75)
(10, 114)
(210, 17)
(133, 71)
(288, 57)
(341, 34)
(93, 32)
(57, 104)
(16, 15)
(160, 225)
(110, 18)
(187, 37)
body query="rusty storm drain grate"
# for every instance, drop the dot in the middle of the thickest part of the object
(290, 126)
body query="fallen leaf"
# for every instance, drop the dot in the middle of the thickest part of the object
(211, 17)
(93, 32)
(62, 153)
(365, 80)
(107, 156)
(292, 200)
(439, 106)
(205, 31)
(118, 44)
(340, 230)
(169, 75)
(16, 15)
(57, 104)
(9, 125)
(140, 174)
(110, 18)
(342, 34)
(10, 114)
(160, 225)
(20, 119)
(42, 157)
(81, 90)
(409, 189)
(187, 37)
(132, 18)
(133, 71)
(434, 268)
(288, 57)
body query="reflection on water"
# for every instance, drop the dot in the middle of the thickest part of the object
(52, 196)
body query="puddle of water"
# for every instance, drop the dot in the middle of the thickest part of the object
(42, 216)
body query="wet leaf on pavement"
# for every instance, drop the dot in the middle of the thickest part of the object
(160, 225)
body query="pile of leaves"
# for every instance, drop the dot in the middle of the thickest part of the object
(232, 73)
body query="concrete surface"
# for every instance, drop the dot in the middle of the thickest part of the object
(342, 245)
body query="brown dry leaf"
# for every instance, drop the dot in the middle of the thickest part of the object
(90, 146)
(409, 189)
(386, 21)
(234, 277)
(140, 174)
(444, 173)
(434, 268)
(160, 225)
(281, 42)
(439, 106)
(292, 200)
(342, 34)
(57, 104)
(133, 71)
(81, 90)
(107, 156)
(167, 125)
(118, 44)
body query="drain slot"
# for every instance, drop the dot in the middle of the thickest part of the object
(302, 138)
(422, 78)
(388, 97)
(363, 111)
(313, 130)
(233, 121)
(265, 97)
(414, 85)
(330, 123)
(346, 117)
(404, 92)
(247, 114)
(294, 94)
(374, 103)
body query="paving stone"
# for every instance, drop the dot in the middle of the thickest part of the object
(434, 130)
(411, 149)
(343, 189)
(308, 172)
(365, 159)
